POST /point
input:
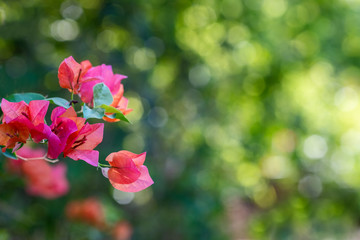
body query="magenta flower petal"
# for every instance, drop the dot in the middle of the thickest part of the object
(13, 110)
(86, 91)
(141, 183)
(89, 156)
(54, 146)
(68, 73)
(124, 175)
(93, 134)
(98, 74)
(37, 110)
(40, 132)
(138, 159)
(60, 130)
(57, 112)
(27, 152)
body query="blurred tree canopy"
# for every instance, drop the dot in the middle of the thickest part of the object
(248, 110)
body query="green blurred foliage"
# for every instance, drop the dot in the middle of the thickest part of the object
(248, 111)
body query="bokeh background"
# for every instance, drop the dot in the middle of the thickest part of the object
(248, 111)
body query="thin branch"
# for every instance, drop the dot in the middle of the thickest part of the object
(38, 158)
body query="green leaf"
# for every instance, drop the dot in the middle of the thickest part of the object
(117, 113)
(9, 154)
(102, 95)
(93, 112)
(59, 101)
(26, 97)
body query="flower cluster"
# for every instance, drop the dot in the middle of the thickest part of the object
(90, 211)
(41, 178)
(69, 133)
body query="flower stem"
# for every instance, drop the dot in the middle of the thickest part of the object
(72, 99)
(38, 158)
(104, 165)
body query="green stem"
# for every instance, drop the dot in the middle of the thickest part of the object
(104, 165)
(72, 98)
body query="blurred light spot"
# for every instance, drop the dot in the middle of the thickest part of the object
(199, 16)
(350, 141)
(213, 35)
(106, 41)
(199, 76)
(2, 15)
(16, 67)
(231, 8)
(44, 28)
(297, 16)
(350, 46)
(310, 186)
(70, 10)
(307, 43)
(156, 44)
(251, 54)
(342, 163)
(321, 72)
(276, 167)
(64, 30)
(237, 34)
(274, 8)
(142, 58)
(254, 85)
(134, 103)
(346, 99)
(215, 136)
(248, 174)
(158, 117)
(190, 102)
(164, 74)
(231, 155)
(315, 147)
(143, 197)
(265, 196)
(284, 141)
(244, 53)
(134, 143)
(253, 4)
(123, 197)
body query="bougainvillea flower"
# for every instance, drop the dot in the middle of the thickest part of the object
(71, 73)
(12, 134)
(42, 179)
(88, 211)
(69, 114)
(30, 115)
(15, 165)
(80, 144)
(127, 172)
(120, 103)
(64, 123)
(99, 74)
